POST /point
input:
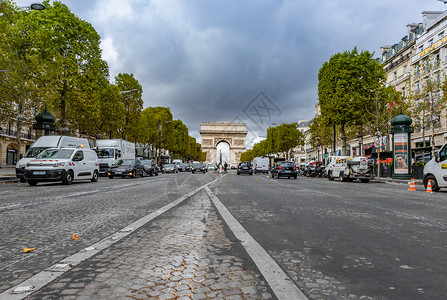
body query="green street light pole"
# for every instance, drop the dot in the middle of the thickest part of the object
(32, 6)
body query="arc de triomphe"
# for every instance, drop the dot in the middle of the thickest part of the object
(233, 134)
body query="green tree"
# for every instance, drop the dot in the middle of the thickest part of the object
(287, 137)
(347, 84)
(70, 54)
(320, 132)
(105, 117)
(131, 92)
(20, 64)
(180, 144)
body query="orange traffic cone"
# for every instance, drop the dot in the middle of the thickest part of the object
(412, 185)
(429, 190)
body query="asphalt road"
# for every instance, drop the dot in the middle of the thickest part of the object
(335, 240)
(349, 240)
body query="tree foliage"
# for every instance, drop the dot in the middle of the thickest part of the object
(347, 86)
(281, 138)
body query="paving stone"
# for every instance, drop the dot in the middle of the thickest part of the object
(167, 259)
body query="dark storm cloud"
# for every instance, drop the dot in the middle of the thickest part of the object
(207, 60)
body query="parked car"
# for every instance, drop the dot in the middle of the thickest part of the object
(211, 167)
(245, 167)
(170, 168)
(284, 169)
(149, 167)
(126, 167)
(184, 167)
(63, 164)
(198, 167)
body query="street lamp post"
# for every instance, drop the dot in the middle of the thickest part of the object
(32, 6)
(360, 137)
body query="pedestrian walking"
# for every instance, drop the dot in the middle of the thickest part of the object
(225, 167)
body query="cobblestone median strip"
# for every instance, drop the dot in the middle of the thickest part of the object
(46, 276)
(279, 281)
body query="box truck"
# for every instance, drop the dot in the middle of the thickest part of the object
(111, 151)
(45, 142)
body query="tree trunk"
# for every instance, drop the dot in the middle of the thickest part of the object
(342, 132)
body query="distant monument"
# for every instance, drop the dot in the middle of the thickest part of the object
(233, 134)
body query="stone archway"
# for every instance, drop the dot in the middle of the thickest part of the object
(233, 134)
(223, 152)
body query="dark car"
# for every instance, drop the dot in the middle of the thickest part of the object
(245, 167)
(184, 167)
(149, 167)
(126, 167)
(198, 167)
(284, 169)
(170, 168)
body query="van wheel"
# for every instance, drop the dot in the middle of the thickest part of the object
(95, 176)
(156, 174)
(329, 176)
(434, 183)
(68, 177)
(32, 182)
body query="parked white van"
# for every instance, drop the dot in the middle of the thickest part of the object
(436, 170)
(45, 142)
(63, 164)
(261, 165)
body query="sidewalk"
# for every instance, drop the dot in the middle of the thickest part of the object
(391, 180)
(183, 254)
(8, 173)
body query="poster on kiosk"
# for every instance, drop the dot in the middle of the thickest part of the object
(401, 153)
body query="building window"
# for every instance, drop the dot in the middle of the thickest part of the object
(437, 59)
(441, 34)
(430, 42)
(421, 48)
(395, 75)
(403, 92)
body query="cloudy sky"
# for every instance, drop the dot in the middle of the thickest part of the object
(250, 61)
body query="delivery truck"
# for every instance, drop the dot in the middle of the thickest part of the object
(112, 150)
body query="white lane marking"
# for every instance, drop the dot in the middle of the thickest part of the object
(279, 281)
(77, 194)
(44, 277)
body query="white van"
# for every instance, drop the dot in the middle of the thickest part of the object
(63, 164)
(261, 165)
(45, 142)
(436, 170)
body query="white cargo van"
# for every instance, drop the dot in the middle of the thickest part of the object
(261, 165)
(63, 164)
(111, 151)
(436, 170)
(45, 142)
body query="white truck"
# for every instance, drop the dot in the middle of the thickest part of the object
(347, 168)
(112, 150)
(261, 165)
(436, 170)
(45, 142)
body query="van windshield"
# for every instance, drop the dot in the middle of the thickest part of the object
(34, 151)
(105, 153)
(56, 154)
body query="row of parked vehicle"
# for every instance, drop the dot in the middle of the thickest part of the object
(65, 158)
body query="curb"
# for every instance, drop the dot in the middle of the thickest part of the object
(9, 179)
